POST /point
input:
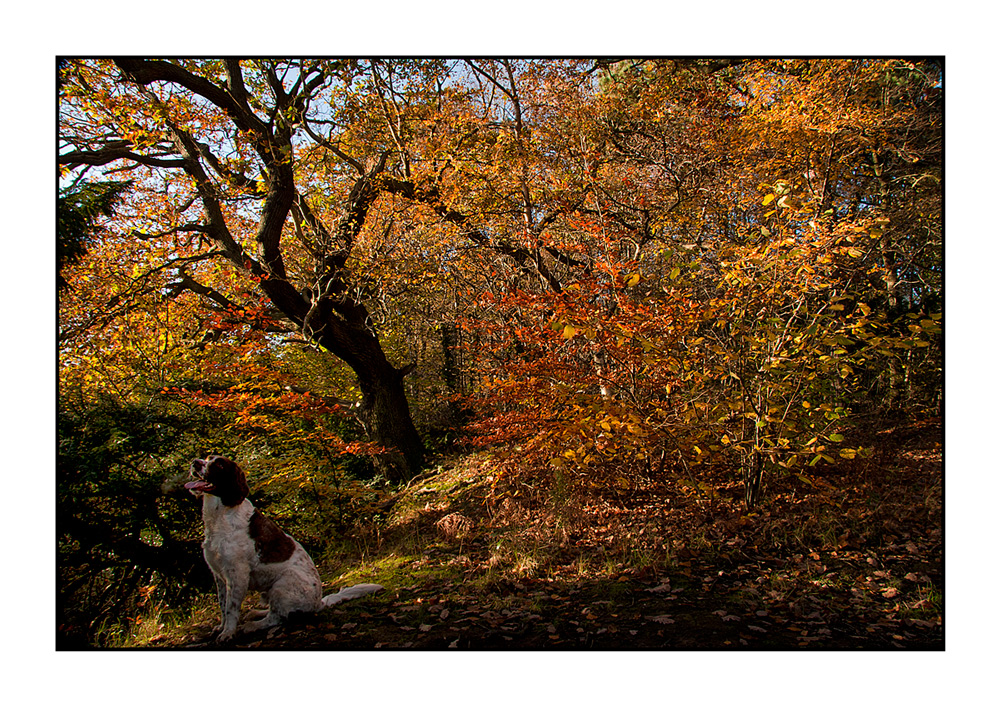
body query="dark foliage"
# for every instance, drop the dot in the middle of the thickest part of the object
(122, 524)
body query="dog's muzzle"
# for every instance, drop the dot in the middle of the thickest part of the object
(199, 485)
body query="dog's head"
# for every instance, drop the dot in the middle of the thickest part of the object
(217, 475)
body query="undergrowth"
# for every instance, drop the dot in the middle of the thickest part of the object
(850, 556)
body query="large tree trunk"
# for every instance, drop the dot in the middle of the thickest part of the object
(339, 325)
(385, 415)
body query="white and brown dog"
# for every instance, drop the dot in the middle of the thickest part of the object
(247, 551)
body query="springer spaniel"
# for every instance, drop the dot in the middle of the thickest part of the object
(246, 550)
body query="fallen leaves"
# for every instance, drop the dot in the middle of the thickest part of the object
(796, 574)
(727, 617)
(661, 588)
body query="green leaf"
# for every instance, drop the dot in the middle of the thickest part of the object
(836, 437)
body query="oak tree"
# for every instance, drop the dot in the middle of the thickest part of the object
(251, 170)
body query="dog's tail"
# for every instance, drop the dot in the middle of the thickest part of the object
(346, 594)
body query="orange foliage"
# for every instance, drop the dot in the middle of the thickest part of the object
(655, 264)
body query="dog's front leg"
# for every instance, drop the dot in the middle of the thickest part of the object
(230, 599)
(220, 597)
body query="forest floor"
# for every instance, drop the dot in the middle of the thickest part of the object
(848, 557)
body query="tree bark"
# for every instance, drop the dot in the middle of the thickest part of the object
(385, 415)
(449, 347)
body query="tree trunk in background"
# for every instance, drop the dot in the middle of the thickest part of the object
(449, 348)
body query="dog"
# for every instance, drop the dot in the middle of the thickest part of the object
(247, 551)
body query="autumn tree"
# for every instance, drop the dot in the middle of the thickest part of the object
(256, 165)
(710, 257)
(745, 193)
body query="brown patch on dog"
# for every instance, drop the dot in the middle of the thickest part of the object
(273, 545)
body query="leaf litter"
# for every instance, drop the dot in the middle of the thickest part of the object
(825, 568)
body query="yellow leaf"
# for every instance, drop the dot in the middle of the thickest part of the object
(568, 332)
(768, 199)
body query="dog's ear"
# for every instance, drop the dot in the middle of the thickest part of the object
(235, 489)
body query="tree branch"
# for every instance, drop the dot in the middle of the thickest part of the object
(274, 148)
(188, 282)
(146, 72)
(186, 228)
(119, 149)
(216, 228)
(237, 178)
(334, 148)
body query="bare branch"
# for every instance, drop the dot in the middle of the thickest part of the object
(489, 78)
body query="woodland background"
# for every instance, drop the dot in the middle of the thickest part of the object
(479, 317)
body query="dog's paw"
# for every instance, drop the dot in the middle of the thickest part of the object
(214, 632)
